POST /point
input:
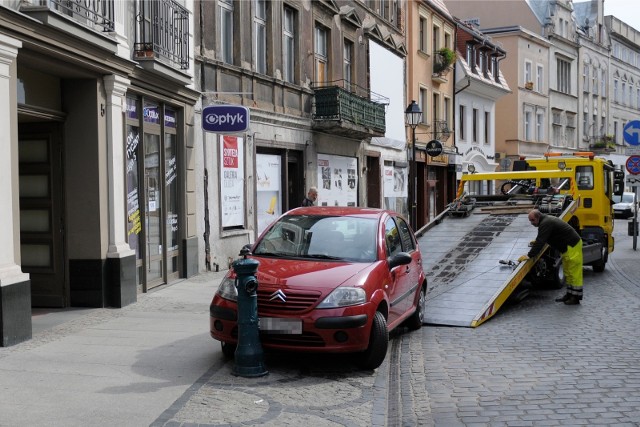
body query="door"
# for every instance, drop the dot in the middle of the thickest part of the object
(153, 212)
(373, 182)
(41, 217)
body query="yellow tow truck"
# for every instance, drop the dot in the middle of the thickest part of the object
(463, 247)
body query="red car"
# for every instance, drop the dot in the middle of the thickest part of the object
(330, 279)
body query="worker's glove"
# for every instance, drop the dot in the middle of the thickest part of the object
(523, 258)
(531, 243)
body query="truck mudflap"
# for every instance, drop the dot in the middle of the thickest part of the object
(461, 258)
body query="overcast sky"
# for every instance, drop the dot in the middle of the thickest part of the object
(628, 11)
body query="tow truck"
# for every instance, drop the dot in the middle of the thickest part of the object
(469, 249)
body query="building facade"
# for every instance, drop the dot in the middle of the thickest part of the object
(306, 72)
(97, 105)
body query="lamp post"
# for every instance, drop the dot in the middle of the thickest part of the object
(413, 116)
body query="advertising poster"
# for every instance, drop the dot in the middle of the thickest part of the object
(395, 181)
(232, 181)
(268, 185)
(337, 180)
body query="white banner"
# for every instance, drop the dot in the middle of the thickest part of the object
(395, 181)
(232, 180)
(337, 180)
(268, 185)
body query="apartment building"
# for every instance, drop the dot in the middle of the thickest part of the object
(324, 84)
(479, 84)
(430, 83)
(97, 106)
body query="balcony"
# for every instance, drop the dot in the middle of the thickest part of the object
(349, 113)
(442, 61)
(164, 33)
(602, 144)
(92, 21)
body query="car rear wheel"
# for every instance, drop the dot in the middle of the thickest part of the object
(374, 355)
(415, 321)
(228, 349)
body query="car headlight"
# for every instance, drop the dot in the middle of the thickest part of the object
(227, 289)
(344, 296)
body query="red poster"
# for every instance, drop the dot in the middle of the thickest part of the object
(230, 152)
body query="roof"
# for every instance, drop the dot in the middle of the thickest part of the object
(341, 211)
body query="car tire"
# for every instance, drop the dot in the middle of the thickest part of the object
(228, 349)
(599, 266)
(415, 320)
(374, 355)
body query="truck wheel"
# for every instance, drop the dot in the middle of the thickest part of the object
(373, 356)
(556, 279)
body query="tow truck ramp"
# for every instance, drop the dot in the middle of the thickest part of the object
(460, 255)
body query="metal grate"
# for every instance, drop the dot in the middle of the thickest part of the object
(96, 14)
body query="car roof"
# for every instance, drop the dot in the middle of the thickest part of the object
(341, 211)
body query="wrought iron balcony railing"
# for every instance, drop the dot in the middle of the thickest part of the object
(95, 14)
(333, 102)
(163, 32)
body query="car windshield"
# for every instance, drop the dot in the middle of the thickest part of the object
(625, 198)
(321, 237)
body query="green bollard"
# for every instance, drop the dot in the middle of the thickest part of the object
(249, 356)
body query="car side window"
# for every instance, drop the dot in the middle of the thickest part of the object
(392, 237)
(408, 244)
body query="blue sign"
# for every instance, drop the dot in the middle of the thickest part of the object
(225, 118)
(631, 132)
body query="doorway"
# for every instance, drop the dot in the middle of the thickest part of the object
(42, 223)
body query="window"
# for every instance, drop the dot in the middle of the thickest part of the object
(487, 122)
(321, 54)
(347, 67)
(423, 34)
(423, 104)
(527, 126)
(603, 83)
(435, 108)
(584, 177)
(540, 127)
(539, 78)
(594, 80)
(462, 119)
(260, 22)
(392, 238)
(624, 93)
(564, 76)
(527, 72)
(475, 125)
(226, 31)
(435, 39)
(408, 244)
(585, 77)
(585, 123)
(447, 111)
(288, 45)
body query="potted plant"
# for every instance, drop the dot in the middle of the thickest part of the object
(443, 59)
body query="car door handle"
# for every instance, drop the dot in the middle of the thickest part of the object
(408, 270)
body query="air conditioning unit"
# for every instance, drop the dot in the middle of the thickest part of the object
(500, 155)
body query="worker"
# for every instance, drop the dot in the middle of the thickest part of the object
(311, 198)
(562, 237)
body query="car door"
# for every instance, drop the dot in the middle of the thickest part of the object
(414, 269)
(400, 275)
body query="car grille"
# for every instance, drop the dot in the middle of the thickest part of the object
(307, 339)
(296, 301)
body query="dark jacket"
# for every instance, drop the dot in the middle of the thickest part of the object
(557, 233)
(307, 202)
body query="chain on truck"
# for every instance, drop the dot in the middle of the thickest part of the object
(551, 183)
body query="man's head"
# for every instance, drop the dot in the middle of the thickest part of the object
(313, 193)
(534, 217)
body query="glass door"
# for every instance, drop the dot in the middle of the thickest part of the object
(153, 213)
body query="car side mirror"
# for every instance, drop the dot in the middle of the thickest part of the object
(401, 258)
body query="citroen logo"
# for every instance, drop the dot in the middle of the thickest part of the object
(278, 295)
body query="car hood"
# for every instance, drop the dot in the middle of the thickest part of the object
(300, 273)
(622, 205)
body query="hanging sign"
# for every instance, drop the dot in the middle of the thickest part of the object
(225, 118)
(434, 148)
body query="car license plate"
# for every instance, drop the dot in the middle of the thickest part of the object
(274, 325)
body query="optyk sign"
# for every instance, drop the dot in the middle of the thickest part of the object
(225, 118)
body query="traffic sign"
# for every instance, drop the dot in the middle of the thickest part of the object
(633, 165)
(631, 132)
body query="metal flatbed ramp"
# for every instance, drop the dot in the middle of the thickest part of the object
(467, 284)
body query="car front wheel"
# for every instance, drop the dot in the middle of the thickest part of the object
(374, 355)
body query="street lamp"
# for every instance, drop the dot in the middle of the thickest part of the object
(413, 116)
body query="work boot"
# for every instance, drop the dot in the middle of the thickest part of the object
(563, 298)
(572, 300)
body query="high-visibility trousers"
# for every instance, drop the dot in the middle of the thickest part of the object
(572, 266)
